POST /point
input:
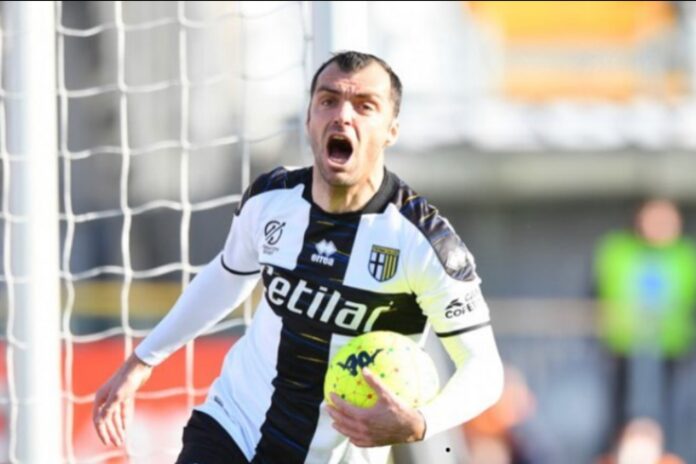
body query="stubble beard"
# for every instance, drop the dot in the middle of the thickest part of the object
(335, 180)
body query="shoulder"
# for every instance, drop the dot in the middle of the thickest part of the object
(437, 231)
(278, 179)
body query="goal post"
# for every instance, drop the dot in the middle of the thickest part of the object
(31, 265)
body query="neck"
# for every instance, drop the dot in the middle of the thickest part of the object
(345, 199)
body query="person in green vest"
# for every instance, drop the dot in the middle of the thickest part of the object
(646, 287)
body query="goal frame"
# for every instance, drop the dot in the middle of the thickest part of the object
(31, 247)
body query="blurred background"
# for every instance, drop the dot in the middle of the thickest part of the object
(537, 128)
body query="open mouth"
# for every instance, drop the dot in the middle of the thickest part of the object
(339, 149)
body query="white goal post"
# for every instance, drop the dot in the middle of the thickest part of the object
(31, 239)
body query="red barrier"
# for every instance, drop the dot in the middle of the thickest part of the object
(155, 431)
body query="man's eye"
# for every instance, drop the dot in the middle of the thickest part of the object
(327, 101)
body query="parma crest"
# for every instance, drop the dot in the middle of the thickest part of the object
(383, 262)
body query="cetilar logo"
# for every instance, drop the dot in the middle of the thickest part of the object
(325, 249)
(292, 296)
(362, 359)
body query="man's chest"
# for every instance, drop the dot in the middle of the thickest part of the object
(345, 273)
(366, 252)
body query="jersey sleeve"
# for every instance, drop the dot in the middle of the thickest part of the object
(443, 276)
(210, 296)
(476, 384)
(240, 255)
(447, 286)
(220, 286)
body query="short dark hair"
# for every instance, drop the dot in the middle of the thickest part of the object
(352, 61)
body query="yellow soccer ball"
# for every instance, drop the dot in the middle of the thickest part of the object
(396, 360)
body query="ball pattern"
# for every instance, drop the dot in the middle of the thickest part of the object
(396, 360)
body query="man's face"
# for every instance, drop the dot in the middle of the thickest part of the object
(350, 122)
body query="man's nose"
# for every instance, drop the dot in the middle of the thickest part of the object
(344, 113)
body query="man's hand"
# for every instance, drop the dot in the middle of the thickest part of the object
(115, 398)
(388, 422)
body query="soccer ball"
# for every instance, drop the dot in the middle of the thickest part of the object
(396, 360)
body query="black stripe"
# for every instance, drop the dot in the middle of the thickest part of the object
(331, 230)
(232, 271)
(292, 418)
(464, 330)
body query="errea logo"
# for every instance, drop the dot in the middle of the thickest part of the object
(325, 249)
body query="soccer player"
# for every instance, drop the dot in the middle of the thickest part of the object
(343, 247)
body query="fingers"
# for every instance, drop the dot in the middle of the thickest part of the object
(375, 383)
(342, 405)
(347, 428)
(97, 416)
(344, 413)
(110, 425)
(100, 427)
(353, 427)
(109, 420)
(104, 424)
(389, 421)
(119, 422)
(356, 437)
(104, 427)
(358, 432)
(384, 394)
(126, 414)
(98, 401)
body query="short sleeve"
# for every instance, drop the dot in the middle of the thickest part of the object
(240, 255)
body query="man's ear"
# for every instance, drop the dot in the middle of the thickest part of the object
(393, 133)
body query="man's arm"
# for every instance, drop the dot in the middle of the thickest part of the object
(207, 299)
(223, 284)
(476, 384)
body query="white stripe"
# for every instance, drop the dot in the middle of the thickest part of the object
(246, 389)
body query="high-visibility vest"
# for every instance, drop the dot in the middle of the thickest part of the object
(647, 294)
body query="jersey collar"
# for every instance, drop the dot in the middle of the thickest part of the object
(376, 204)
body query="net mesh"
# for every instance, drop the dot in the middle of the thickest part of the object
(166, 109)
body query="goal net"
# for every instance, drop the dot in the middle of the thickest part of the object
(166, 110)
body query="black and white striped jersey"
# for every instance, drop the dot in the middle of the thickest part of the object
(395, 265)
